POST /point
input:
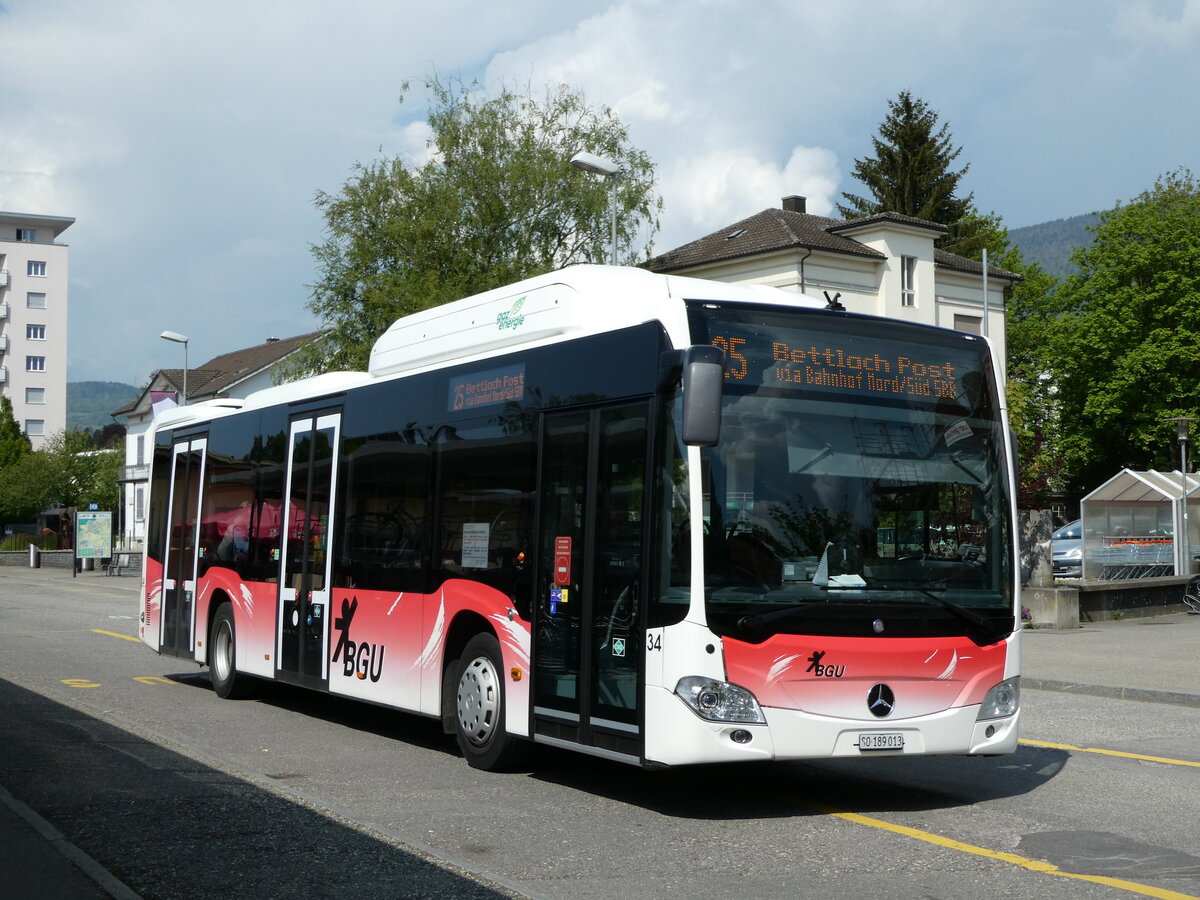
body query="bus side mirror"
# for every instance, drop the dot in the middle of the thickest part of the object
(703, 382)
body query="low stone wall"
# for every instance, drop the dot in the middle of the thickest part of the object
(1066, 605)
(1101, 601)
(61, 559)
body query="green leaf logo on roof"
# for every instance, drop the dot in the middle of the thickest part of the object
(512, 318)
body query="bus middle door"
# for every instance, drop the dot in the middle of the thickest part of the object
(305, 563)
(588, 621)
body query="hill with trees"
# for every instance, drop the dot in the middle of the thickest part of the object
(90, 403)
(1051, 244)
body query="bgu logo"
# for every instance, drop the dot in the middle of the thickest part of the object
(822, 670)
(361, 660)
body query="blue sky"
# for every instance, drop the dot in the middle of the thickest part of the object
(188, 140)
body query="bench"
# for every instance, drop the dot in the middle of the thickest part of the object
(116, 564)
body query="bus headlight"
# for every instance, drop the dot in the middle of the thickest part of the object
(1003, 700)
(719, 701)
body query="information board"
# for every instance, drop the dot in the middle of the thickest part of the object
(93, 535)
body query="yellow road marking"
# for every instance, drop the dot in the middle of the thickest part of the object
(80, 683)
(1022, 861)
(1157, 759)
(123, 637)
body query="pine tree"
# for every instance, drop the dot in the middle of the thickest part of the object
(912, 174)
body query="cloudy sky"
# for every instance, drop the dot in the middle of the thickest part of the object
(188, 139)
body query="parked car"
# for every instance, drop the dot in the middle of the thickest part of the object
(1066, 550)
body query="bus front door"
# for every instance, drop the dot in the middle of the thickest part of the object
(183, 549)
(305, 518)
(588, 618)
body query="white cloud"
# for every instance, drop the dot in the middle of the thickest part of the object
(1146, 26)
(721, 187)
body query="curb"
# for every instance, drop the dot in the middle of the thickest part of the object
(1144, 695)
(104, 879)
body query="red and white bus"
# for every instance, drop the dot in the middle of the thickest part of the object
(655, 519)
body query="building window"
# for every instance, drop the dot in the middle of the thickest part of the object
(35, 301)
(35, 332)
(139, 504)
(26, 234)
(969, 324)
(35, 396)
(36, 268)
(35, 364)
(35, 427)
(141, 449)
(908, 281)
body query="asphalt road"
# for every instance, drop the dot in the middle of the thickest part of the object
(175, 793)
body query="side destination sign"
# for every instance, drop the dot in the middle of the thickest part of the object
(486, 388)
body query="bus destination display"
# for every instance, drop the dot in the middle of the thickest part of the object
(487, 388)
(781, 360)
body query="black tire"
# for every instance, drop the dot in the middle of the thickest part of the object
(222, 656)
(479, 708)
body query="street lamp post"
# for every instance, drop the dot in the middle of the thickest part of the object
(598, 165)
(178, 338)
(1184, 564)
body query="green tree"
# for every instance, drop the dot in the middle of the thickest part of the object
(912, 174)
(13, 442)
(1125, 344)
(497, 201)
(66, 471)
(1032, 318)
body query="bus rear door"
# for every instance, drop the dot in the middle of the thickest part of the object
(588, 618)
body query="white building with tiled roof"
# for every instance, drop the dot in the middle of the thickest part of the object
(882, 265)
(230, 375)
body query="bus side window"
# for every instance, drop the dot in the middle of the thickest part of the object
(485, 529)
(384, 545)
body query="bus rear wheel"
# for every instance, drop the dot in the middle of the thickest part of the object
(222, 656)
(479, 708)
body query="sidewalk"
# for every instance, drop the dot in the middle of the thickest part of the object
(1156, 659)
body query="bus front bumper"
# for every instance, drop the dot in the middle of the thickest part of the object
(675, 735)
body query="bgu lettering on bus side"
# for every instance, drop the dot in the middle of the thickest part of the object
(360, 660)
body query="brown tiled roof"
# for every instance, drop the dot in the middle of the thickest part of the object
(773, 230)
(944, 260)
(222, 373)
(850, 224)
(764, 232)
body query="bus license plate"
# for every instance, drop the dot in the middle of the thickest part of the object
(881, 741)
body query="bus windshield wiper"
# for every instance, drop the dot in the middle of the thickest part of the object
(984, 631)
(989, 628)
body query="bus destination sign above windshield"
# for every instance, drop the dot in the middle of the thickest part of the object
(822, 364)
(487, 388)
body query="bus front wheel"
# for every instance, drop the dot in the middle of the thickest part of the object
(222, 656)
(479, 707)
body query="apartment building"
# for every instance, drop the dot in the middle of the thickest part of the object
(33, 321)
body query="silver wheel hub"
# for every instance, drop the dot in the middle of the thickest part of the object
(478, 701)
(223, 652)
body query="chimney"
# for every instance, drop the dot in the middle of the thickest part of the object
(795, 203)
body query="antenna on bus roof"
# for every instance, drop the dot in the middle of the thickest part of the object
(833, 301)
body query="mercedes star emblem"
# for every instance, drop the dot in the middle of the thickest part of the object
(881, 701)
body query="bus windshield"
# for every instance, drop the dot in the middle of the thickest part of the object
(860, 472)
